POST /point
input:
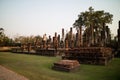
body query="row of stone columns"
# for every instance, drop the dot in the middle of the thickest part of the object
(76, 40)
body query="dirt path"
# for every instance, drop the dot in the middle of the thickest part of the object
(6, 74)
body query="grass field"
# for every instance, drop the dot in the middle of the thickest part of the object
(37, 67)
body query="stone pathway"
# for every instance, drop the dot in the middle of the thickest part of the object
(6, 74)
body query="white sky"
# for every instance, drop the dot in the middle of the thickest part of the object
(36, 17)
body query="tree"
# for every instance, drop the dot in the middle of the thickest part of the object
(95, 23)
(4, 40)
(28, 39)
(1, 36)
(1, 32)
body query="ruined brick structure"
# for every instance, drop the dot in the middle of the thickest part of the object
(90, 55)
(66, 65)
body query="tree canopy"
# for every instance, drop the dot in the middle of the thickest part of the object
(93, 18)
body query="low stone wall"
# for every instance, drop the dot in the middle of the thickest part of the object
(42, 52)
(47, 52)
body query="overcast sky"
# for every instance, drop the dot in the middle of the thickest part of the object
(36, 17)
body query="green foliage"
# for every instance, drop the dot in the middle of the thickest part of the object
(4, 40)
(27, 39)
(94, 18)
(1, 35)
(39, 68)
(1, 31)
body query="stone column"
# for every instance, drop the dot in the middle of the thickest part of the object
(55, 41)
(92, 35)
(58, 41)
(77, 40)
(29, 47)
(55, 34)
(80, 36)
(103, 36)
(119, 35)
(71, 43)
(66, 41)
(44, 41)
(62, 39)
(23, 47)
(62, 34)
(49, 42)
(108, 35)
(36, 43)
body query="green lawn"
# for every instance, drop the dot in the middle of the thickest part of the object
(37, 67)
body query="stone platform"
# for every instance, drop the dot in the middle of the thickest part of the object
(66, 65)
(90, 55)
